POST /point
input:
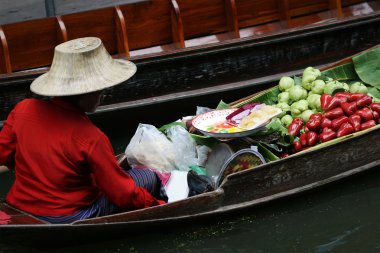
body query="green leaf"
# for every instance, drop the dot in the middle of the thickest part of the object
(342, 73)
(164, 128)
(367, 67)
(276, 125)
(268, 155)
(204, 140)
(223, 105)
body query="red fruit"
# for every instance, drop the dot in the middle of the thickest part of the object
(349, 108)
(303, 139)
(327, 135)
(355, 96)
(297, 146)
(325, 100)
(314, 122)
(312, 138)
(368, 124)
(375, 115)
(336, 123)
(355, 121)
(325, 123)
(335, 102)
(364, 101)
(334, 113)
(375, 107)
(345, 129)
(365, 114)
(295, 127)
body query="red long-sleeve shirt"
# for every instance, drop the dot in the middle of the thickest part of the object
(62, 161)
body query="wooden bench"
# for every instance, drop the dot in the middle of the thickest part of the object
(159, 26)
(29, 44)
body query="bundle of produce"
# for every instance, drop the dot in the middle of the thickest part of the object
(319, 106)
(344, 113)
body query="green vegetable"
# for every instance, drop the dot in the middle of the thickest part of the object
(346, 87)
(309, 75)
(318, 86)
(314, 101)
(374, 93)
(286, 120)
(276, 125)
(285, 83)
(283, 106)
(333, 87)
(358, 87)
(298, 107)
(297, 93)
(283, 97)
(305, 115)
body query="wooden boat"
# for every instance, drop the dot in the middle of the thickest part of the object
(190, 45)
(295, 174)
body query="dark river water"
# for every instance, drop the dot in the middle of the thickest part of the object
(342, 217)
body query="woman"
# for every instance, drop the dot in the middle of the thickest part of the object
(65, 166)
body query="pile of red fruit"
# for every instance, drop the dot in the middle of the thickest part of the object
(344, 113)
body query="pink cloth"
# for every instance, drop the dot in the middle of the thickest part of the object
(164, 176)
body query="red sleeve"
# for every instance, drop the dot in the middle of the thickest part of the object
(118, 186)
(8, 142)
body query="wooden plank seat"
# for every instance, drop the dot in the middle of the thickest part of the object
(19, 217)
(31, 44)
(207, 22)
(302, 13)
(98, 23)
(150, 27)
(259, 17)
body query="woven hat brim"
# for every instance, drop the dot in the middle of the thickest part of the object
(117, 72)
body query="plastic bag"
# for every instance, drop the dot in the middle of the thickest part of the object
(185, 147)
(151, 148)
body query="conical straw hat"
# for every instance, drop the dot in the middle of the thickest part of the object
(82, 66)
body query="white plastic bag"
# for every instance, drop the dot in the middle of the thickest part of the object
(151, 148)
(185, 147)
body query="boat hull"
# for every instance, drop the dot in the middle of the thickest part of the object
(240, 191)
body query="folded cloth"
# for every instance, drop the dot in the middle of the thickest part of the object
(4, 218)
(164, 176)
